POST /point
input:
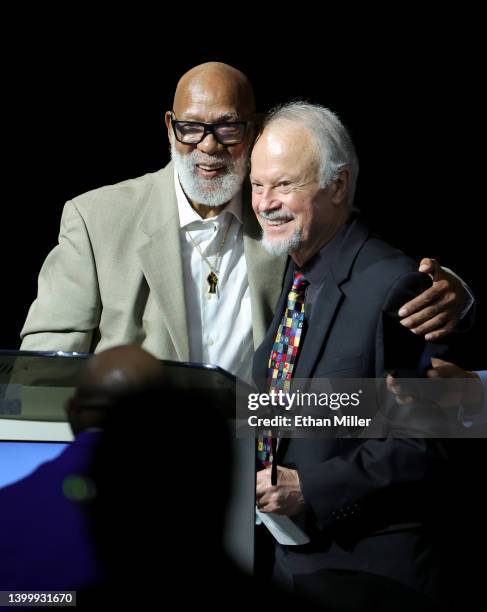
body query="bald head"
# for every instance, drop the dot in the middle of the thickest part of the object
(106, 378)
(214, 83)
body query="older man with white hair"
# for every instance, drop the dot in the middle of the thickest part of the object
(363, 503)
(172, 260)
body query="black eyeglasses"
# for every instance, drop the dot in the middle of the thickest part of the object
(193, 132)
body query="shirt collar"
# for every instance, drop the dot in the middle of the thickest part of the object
(187, 213)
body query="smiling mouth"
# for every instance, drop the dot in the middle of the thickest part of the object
(276, 222)
(209, 172)
(206, 168)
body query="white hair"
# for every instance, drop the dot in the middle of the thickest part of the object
(334, 146)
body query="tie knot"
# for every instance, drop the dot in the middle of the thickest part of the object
(299, 282)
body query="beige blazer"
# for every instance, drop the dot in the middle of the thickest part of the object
(116, 276)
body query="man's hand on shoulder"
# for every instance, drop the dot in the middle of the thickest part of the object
(436, 311)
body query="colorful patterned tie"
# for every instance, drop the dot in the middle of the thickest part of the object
(284, 354)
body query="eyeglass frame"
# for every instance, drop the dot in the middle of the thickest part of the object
(208, 128)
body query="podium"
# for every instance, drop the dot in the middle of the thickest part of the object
(35, 386)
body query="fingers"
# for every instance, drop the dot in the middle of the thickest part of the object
(404, 400)
(423, 316)
(267, 496)
(265, 492)
(437, 362)
(443, 372)
(401, 396)
(445, 369)
(393, 385)
(440, 333)
(431, 267)
(440, 316)
(263, 482)
(427, 298)
(442, 321)
(265, 503)
(284, 498)
(437, 310)
(391, 382)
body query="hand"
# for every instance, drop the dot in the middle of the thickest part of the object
(436, 311)
(284, 498)
(469, 395)
(404, 393)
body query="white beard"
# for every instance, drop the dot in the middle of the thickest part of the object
(282, 247)
(210, 192)
(285, 246)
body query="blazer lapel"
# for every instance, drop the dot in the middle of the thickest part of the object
(327, 302)
(329, 299)
(160, 257)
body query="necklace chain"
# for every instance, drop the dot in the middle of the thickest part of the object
(213, 276)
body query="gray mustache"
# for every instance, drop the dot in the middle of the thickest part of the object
(273, 215)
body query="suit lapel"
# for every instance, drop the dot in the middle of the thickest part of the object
(329, 299)
(327, 302)
(160, 257)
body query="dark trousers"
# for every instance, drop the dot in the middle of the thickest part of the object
(346, 591)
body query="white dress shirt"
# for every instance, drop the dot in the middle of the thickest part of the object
(219, 325)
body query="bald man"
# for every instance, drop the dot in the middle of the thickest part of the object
(106, 378)
(45, 539)
(172, 260)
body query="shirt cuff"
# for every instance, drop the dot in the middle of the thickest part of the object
(470, 297)
(467, 420)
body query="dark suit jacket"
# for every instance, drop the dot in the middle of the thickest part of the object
(45, 538)
(366, 499)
